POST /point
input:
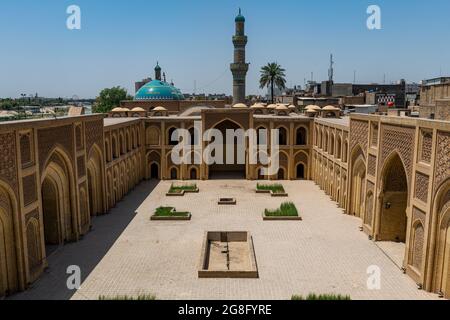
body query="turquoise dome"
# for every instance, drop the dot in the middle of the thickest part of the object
(158, 90)
(239, 17)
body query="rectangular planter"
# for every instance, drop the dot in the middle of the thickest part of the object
(281, 218)
(227, 201)
(171, 218)
(182, 193)
(272, 193)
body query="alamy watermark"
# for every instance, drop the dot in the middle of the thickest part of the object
(374, 19)
(232, 147)
(374, 279)
(74, 279)
(73, 21)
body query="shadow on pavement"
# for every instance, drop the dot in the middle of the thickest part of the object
(89, 251)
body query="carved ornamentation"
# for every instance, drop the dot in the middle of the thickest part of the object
(372, 165)
(29, 189)
(358, 134)
(399, 139)
(426, 146)
(81, 167)
(26, 149)
(421, 187)
(8, 162)
(94, 134)
(51, 137)
(442, 171)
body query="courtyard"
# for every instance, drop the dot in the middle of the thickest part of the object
(127, 254)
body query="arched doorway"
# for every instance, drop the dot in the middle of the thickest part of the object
(154, 171)
(174, 174)
(193, 174)
(261, 175)
(301, 137)
(8, 262)
(441, 270)
(300, 171)
(281, 174)
(59, 223)
(235, 167)
(358, 182)
(283, 136)
(95, 186)
(393, 201)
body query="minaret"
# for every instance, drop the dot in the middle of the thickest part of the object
(239, 68)
(157, 72)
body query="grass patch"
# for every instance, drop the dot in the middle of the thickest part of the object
(287, 209)
(141, 297)
(179, 189)
(313, 296)
(169, 212)
(275, 188)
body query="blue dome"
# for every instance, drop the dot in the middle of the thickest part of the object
(239, 17)
(158, 90)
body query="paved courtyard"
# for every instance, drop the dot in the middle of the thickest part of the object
(325, 253)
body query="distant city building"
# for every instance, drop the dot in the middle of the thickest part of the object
(435, 99)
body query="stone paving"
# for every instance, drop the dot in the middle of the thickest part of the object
(324, 253)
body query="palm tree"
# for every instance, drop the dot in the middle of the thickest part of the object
(272, 75)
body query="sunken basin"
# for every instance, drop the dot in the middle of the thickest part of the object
(227, 201)
(228, 255)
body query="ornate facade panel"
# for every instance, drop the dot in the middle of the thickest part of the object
(400, 139)
(29, 189)
(33, 240)
(8, 159)
(94, 134)
(369, 203)
(372, 165)
(421, 186)
(374, 139)
(442, 170)
(26, 149)
(418, 238)
(81, 165)
(426, 146)
(359, 131)
(51, 137)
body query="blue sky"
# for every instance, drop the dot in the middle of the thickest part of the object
(120, 42)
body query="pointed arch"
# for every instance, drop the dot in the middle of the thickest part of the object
(95, 181)
(9, 278)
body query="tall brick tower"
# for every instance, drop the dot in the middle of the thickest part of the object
(239, 68)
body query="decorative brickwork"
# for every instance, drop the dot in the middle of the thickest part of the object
(33, 240)
(359, 131)
(426, 146)
(81, 166)
(400, 139)
(94, 134)
(25, 149)
(442, 171)
(51, 137)
(421, 187)
(369, 203)
(29, 189)
(372, 165)
(418, 238)
(8, 162)
(374, 140)
(79, 137)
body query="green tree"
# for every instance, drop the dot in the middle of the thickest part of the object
(109, 99)
(272, 75)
